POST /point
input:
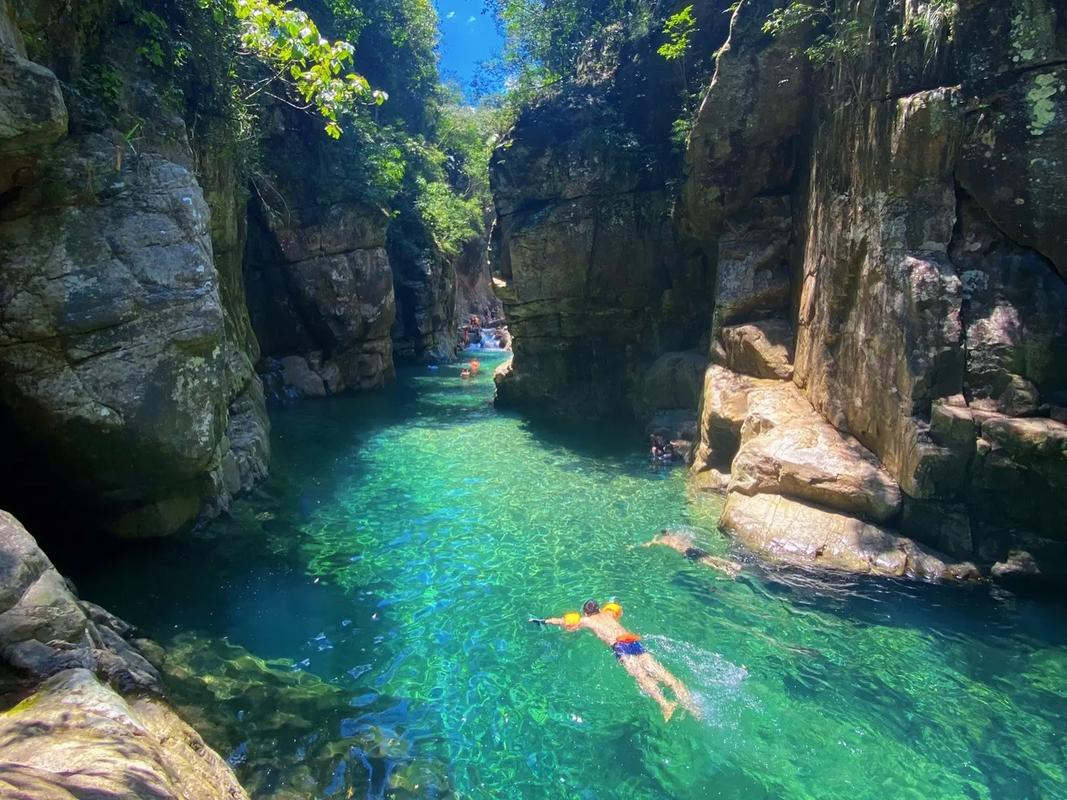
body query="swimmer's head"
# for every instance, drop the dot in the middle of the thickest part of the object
(590, 608)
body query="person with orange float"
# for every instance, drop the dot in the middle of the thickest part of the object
(642, 666)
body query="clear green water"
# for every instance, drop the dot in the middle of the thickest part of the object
(359, 629)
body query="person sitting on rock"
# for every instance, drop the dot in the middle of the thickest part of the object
(683, 543)
(642, 666)
(667, 453)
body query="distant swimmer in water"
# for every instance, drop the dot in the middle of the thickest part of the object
(644, 669)
(684, 545)
(464, 373)
(475, 365)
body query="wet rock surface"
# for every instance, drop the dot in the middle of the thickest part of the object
(792, 532)
(45, 629)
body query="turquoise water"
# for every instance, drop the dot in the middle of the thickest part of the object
(358, 628)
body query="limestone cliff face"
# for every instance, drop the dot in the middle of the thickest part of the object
(599, 284)
(928, 305)
(318, 275)
(474, 282)
(932, 319)
(125, 358)
(424, 280)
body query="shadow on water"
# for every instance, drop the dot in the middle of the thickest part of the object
(609, 443)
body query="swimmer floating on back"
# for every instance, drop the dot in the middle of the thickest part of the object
(633, 657)
(684, 545)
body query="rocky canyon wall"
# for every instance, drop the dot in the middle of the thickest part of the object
(319, 278)
(425, 281)
(162, 246)
(928, 300)
(865, 245)
(598, 282)
(125, 353)
(932, 317)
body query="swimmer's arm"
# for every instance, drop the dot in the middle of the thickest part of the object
(550, 621)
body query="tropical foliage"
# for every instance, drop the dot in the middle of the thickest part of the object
(544, 41)
(318, 70)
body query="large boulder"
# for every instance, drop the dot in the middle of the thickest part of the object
(115, 352)
(723, 410)
(76, 738)
(811, 461)
(125, 356)
(425, 328)
(760, 349)
(44, 628)
(795, 533)
(32, 111)
(735, 408)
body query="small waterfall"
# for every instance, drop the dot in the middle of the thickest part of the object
(494, 339)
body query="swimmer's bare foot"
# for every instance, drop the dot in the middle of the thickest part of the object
(668, 711)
